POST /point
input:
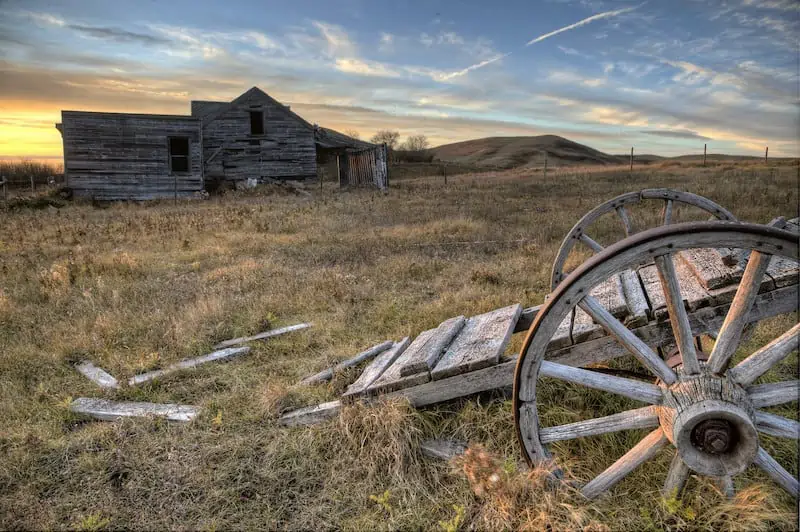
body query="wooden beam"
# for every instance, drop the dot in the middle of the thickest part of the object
(443, 449)
(327, 374)
(97, 375)
(263, 335)
(375, 369)
(110, 410)
(222, 354)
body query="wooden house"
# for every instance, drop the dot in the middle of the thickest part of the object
(143, 156)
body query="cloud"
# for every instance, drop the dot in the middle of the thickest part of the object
(365, 68)
(782, 5)
(599, 16)
(118, 35)
(675, 133)
(386, 43)
(464, 71)
(337, 40)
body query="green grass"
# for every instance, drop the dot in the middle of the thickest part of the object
(135, 287)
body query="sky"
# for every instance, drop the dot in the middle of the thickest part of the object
(665, 77)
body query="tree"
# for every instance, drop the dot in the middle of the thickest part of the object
(416, 143)
(386, 136)
(352, 133)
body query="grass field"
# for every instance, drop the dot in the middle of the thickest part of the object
(134, 287)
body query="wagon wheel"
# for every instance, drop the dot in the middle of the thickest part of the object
(710, 413)
(668, 197)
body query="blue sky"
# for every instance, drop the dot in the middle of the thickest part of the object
(665, 77)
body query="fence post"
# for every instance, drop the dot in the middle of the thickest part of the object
(766, 155)
(705, 147)
(33, 185)
(5, 188)
(631, 158)
(444, 170)
(545, 166)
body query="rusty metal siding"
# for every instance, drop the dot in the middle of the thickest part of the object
(112, 156)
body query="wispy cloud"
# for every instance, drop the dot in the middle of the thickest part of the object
(599, 16)
(675, 133)
(462, 72)
(118, 35)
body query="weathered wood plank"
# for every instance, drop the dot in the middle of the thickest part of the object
(774, 393)
(428, 352)
(677, 476)
(97, 375)
(584, 327)
(443, 449)
(311, 415)
(678, 317)
(106, 410)
(635, 299)
(775, 425)
(392, 379)
(776, 472)
(222, 354)
(712, 267)
(376, 368)
(263, 335)
(526, 318)
(693, 294)
(327, 374)
(783, 271)
(479, 344)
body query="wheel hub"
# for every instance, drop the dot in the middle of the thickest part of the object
(715, 436)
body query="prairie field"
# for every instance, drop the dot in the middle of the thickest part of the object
(133, 287)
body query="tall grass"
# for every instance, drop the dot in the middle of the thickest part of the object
(19, 173)
(134, 287)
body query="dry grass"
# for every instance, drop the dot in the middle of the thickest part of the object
(135, 287)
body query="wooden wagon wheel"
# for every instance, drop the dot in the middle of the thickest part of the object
(711, 414)
(669, 197)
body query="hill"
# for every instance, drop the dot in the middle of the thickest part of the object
(514, 152)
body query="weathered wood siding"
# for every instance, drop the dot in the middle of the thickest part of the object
(111, 156)
(286, 150)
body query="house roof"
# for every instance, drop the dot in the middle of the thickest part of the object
(329, 138)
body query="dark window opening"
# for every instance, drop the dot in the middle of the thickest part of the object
(179, 154)
(256, 123)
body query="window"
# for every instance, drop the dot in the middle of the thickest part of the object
(179, 154)
(256, 123)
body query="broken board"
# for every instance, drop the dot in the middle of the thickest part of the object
(426, 354)
(376, 368)
(106, 410)
(392, 378)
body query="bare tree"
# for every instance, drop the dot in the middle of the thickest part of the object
(416, 143)
(352, 133)
(386, 136)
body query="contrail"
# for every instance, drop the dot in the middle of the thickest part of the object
(607, 14)
(473, 67)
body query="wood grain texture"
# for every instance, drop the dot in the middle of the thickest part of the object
(777, 473)
(774, 393)
(679, 319)
(758, 363)
(427, 353)
(775, 425)
(97, 375)
(642, 452)
(635, 299)
(710, 268)
(392, 378)
(222, 354)
(375, 369)
(641, 418)
(263, 335)
(327, 374)
(692, 292)
(110, 410)
(637, 390)
(311, 415)
(479, 344)
(676, 479)
(443, 449)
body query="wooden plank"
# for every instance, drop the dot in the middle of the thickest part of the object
(775, 425)
(761, 361)
(784, 271)
(311, 415)
(443, 449)
(106, 410)
(376, 368)
(678, 317)
(776, 472)
(392, 379)
(479, 344)
(427, 353)
(584, 327)
(526, 318)
(677, 476)
(712, 267)
(610, 296)
(263, 335)
(693, 294)
(563, 335)
(635, 299)
(222, 354)
(97, 375)
(327, 374)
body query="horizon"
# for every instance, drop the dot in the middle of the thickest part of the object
(609, 75)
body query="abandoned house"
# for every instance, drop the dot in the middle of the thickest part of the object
(111, 156)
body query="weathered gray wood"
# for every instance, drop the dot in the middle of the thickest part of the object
(709, 266)
(443, 449)
(668, 212)
(563, 335)
(526, 318)
(635, 299)
(677, 476)
(479, 344)
(392, 379)
(222, 354)
(642, 452)
(311, 415)
(633, 343)
(376, 368)
(591, 243)
(783, 271)
(775, 425)
(263, 335)
(774, 393)
(97, 375)
(693, 294)
(110, 410)
(689, 199)
(327, 374)
(679, 319)
(726, 486)
(610, 296)
(751, 368)
(584, 328)
(428, 352)
(777, 473)
(731, 331)
(641, 418)
(640, 391)
(626, 221)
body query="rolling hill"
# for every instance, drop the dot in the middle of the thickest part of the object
(514, 152)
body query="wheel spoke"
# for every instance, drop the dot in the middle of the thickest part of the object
(641, 418)
(642, 452)
(668, 212)
(678, 317)
(775, 425)
(676, 477)
(626, 221)
(630, 341)
(726, 486)
(751, 368)
(731, 331)
(589, 241)
(640, 391)
(774, 393)
(776, 472)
